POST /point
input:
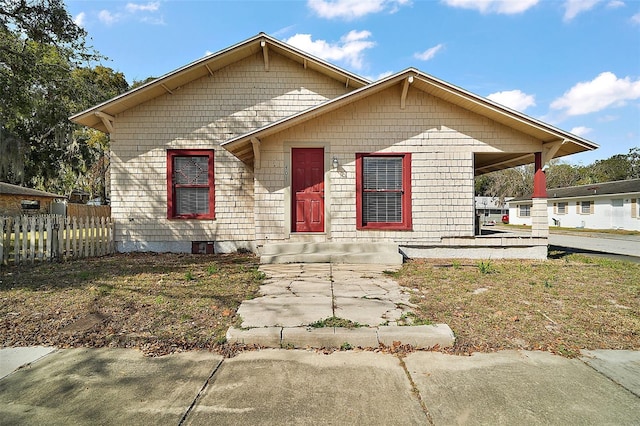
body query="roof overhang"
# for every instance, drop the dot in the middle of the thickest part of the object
(556, 142)
(101, 116)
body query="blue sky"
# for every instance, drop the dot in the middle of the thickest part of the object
(572, 63)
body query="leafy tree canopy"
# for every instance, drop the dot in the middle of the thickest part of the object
(518, 181)
(45, 76)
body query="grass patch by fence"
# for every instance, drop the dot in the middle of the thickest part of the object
(159, 303)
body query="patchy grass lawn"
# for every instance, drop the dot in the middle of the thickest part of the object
(159, 303)
(162, 303)
(560, 305)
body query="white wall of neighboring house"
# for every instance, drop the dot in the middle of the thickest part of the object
(604, 212)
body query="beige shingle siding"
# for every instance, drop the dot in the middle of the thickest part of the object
(201, 115)
(442, 139)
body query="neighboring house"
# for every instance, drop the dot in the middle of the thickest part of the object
(607, 205)
(262, 143)
(17, 200)
(491, 208)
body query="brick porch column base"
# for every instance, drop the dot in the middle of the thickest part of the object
(539, 219)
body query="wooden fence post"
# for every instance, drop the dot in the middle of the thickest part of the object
(92, 241)
(3, 221)
(74, 238)
(41, 250)
(47, 248)
(101, 237)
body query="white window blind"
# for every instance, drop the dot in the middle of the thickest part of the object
(382, 189)
(191, 178)
(192, 201)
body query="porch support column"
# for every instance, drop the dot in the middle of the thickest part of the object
(539, 215)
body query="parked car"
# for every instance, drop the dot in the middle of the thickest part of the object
(98, 202)
(505, 219)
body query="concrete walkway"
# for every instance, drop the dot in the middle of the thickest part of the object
(277, 386)
(297, 299)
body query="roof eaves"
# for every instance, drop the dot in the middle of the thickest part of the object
(320, 109)
(158, 81)
(561, 134)
(204, 60)
(10, 189)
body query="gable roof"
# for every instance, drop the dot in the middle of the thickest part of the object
(546, 133)
(172, 81)
(619, 187)
(9, 189)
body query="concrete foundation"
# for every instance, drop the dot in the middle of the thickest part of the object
(441, 252)
(182, 246)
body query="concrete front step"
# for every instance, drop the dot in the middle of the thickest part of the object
(364, 253)
(420, 337)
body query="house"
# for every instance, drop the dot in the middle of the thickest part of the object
(17, 200)
(492, 208)
(262, 145)
(607, 205)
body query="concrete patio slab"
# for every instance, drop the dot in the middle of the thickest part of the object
(329, 337)
(105, 386)
(13, 358)
(284, 311)
(269, 337)
(276, 387)
(300, 337)
(298, 295)
(623, 367)
(310, 287)
(419, 336)
(518, 387)
(371, 312)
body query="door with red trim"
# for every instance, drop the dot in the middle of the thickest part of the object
(307, 189)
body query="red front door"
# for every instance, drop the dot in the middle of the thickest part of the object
(307, 188)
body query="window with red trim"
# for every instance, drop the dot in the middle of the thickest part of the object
(190, 185)
(383, 191)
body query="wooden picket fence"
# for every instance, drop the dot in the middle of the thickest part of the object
(27, 239)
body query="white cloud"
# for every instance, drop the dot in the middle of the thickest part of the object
(514, 99)
(429, 53)
(379, 76)
(573, 8)
(349, 49)
(79, 19)
(107, 17)
(614, 4)
(505, 7)
(604, 91)
(141, 12)
(581, 130)
(153, 20)
(636, 18)
(608, 118)
(148, 7)
(352, 9)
